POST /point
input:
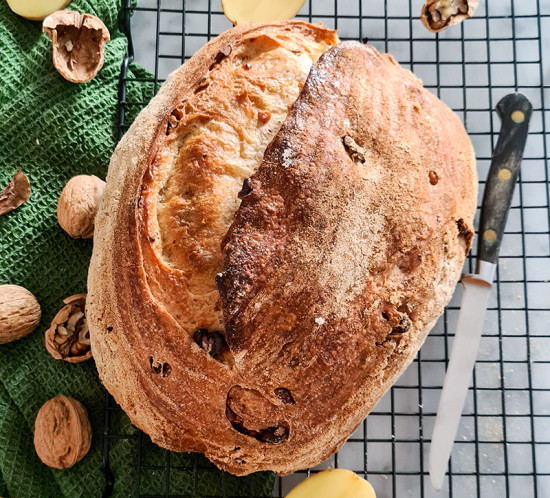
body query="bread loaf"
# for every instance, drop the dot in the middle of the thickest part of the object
(262, 333)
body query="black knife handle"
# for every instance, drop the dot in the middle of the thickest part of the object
(515, 112)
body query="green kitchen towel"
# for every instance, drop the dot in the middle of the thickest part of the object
(54, 130)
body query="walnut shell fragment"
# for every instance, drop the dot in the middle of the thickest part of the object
(438, 15)
(19, 313)
(68, 337)
(77, 41)
(17, 192)
(62, 432)
(78, 204)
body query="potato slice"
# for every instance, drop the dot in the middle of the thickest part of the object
(335, 483)
(36, 10)
(241, 11)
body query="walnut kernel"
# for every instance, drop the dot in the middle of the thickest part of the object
(77, 205)
(438, 15)
(68, 337)
(62, 432)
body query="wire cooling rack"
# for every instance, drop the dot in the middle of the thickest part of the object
(503, 444)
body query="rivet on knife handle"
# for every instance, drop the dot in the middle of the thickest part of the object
(515, 112)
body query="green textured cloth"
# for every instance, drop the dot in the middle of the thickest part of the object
(53, 130)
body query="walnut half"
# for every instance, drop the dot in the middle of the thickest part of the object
(438, 15)
(77, 42)
(62, 432)
(68, 337)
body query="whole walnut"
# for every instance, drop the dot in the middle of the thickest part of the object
(62, 432)
(19, 313)
(77, 205)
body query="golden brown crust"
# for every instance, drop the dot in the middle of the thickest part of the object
(331, 278)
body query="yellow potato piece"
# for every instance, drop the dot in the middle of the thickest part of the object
(37, 10)
(335, 483)
(241, 11)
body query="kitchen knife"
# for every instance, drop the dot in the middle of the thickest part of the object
(515, 112)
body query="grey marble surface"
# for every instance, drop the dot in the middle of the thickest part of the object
(512, 376)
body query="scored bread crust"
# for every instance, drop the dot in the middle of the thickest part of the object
(347, 246)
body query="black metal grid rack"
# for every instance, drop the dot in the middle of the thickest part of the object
(503, 444)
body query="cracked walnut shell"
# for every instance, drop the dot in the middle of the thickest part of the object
(62, 432)
(68, 337)
(438, 15)
(77, 42)
(19, 313)
(77, 205)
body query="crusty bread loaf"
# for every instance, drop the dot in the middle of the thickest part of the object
(265, 352)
